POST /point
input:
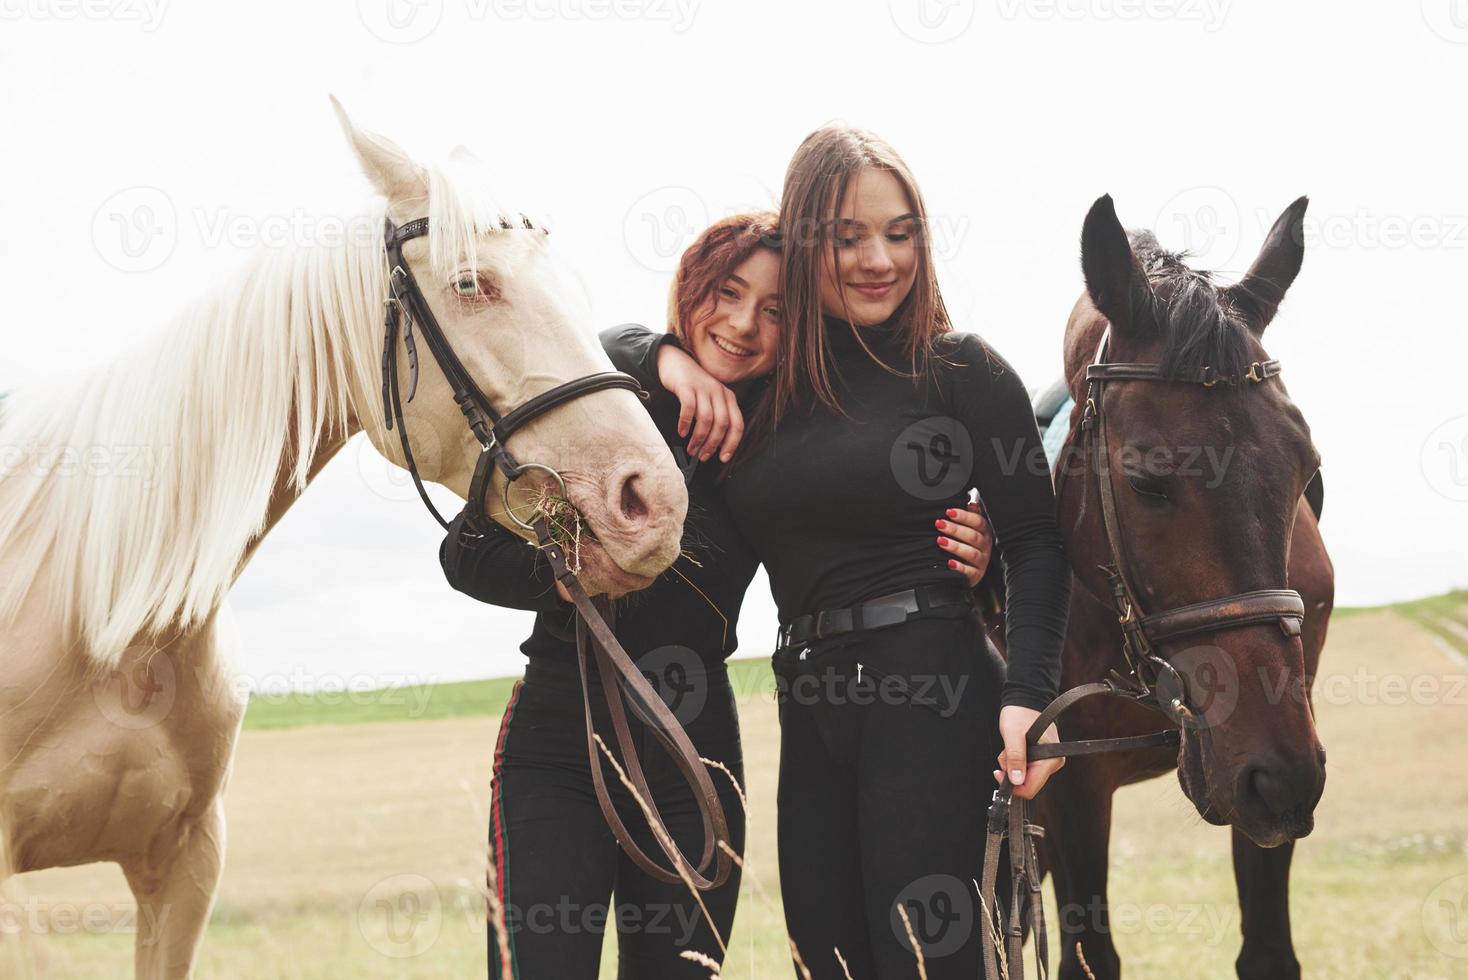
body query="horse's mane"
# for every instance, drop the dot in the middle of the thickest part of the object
(177, 446)
(1199, 326)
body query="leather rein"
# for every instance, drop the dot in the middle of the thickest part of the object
(1151, 680)
(406, 306)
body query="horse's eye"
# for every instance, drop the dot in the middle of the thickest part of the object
(467, 285)
(1147, 486)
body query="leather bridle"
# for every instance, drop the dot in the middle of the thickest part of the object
(405, 306)
(1151, 679)
(1143, 632)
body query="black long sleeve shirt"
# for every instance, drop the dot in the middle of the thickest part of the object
(842, 509)
(694, 605)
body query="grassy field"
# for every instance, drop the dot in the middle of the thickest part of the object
(356, 839)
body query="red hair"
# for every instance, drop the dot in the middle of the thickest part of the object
(712, 258)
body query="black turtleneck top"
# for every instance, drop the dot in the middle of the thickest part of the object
(841, 509)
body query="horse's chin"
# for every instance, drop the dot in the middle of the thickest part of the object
(599, 574)
(1193, 777)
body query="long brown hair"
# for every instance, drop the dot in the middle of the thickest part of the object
(815, 184)
(712, 258)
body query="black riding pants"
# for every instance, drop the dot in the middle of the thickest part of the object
(888, 741)
(562, 879)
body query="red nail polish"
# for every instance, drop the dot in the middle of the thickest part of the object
(939, 524)
(951, 512)
(942, 542)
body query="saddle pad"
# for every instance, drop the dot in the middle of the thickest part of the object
(1053, 438)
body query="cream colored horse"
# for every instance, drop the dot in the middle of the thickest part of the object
(118, 719)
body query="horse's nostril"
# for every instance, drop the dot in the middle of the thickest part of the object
(633, 507)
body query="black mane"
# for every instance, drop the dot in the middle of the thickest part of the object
(1199, 327)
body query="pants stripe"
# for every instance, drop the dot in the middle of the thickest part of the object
(501, 837)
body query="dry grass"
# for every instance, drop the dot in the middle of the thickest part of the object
(332, 828)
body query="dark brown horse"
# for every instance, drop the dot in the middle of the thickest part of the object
(1208, 484)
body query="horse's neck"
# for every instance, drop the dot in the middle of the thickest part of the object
(285, 493)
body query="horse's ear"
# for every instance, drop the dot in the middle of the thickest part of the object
(395, 174)
(1258, 295)
(1112, 275)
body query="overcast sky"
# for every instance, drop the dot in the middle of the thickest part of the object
(148, 146)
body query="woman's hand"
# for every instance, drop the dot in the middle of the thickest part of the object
(966, 536)
(709, 408)
(1028, 778)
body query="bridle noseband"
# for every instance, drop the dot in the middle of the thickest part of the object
(1141, 632)
(594, 637)
(405, 305)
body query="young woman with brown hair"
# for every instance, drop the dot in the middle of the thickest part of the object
(892, 707)
(560, 874)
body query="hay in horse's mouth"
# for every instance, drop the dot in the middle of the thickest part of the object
(567, 527)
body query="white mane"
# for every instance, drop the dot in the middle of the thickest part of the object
(134, 493)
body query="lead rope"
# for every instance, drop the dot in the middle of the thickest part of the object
(621, 678)
(1009, 821)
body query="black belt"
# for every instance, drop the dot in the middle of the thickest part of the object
(892, 609)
